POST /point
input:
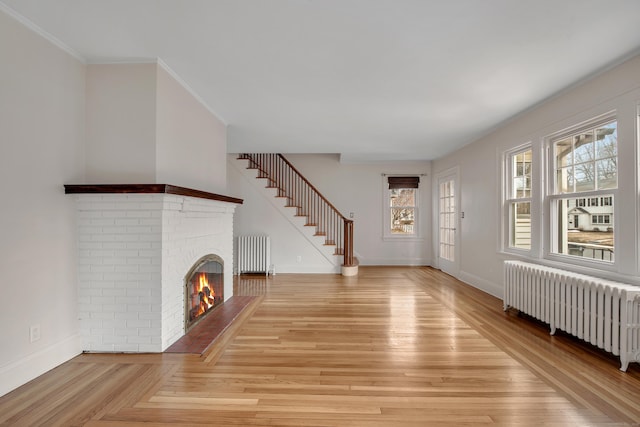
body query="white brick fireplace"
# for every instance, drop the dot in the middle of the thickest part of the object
(136, 245)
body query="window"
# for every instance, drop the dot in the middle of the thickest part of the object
(585, 169)
(601, 219)
(519, 169)
(402, 206)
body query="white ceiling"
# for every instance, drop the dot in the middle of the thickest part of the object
(370, 79)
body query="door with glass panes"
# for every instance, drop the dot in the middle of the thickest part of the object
(448, 224)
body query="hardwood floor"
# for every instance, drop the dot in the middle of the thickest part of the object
(391, 347)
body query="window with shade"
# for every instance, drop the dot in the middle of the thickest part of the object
(402, 206)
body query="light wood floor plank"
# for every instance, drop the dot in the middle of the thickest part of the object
(394, 346)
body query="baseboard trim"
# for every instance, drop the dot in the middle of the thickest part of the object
(20, 372)
(482, 284)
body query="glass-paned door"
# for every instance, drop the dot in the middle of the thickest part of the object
(447, 224)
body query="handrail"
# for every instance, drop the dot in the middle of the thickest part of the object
(308, 201)
(312, 186)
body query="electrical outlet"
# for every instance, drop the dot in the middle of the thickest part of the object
(350, 214)
(298, 258)
(34, 332)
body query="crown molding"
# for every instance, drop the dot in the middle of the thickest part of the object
(189, 89)
(168, 70)
(44, 34)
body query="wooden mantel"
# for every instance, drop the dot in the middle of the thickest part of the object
(146, 189)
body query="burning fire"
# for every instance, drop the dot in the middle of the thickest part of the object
(206, 294)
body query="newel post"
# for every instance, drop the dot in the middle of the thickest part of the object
(348, 243)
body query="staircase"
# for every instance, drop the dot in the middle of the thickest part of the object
(307, 202)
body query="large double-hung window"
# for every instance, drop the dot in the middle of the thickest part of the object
(583, 189)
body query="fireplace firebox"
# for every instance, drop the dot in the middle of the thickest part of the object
(204, 289)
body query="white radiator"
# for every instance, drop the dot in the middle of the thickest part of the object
(254, 254)
(601, 312)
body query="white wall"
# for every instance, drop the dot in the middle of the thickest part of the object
(63, 122)
(145, 127)
(42, 95)
(480, 166)
(191, 140)
(121, 124)
(258, 215)
(356, 188)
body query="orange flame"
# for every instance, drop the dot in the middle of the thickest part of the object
(206, 294)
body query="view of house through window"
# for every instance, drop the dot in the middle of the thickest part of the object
(402, 204)
(586, 175)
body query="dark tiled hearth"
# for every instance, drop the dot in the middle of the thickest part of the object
(202, 335)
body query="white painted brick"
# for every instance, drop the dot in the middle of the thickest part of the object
(150, 300)
(114, 308)
(102, 300)
(114, 324)
(149, 332)
(95, 324)
(138, 261)
(139, 308)
(150, 253)
(150, 250)
(114, 260)
(97, 315)
(141, 277)
(128, 300)
(131, 339)
(139, 214)
(93, 339)
(127, 238)
(116, 292)
(138, 324)
(152, 267)
(100, 347)
(105, 332)
(103, 237)
(149, 348)
(138, 292)
(118, 277)
(150, 316)
(102, 268)
(100, 221)
(137, 245)
(127, 221)
(114, 339)
(90, 308)
(126, 348)
(127, 316)
(126, 269)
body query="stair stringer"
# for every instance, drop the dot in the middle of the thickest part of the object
(288, 212)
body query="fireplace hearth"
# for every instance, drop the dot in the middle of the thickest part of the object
(204, 289)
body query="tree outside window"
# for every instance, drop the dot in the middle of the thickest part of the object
(402, 205)
(586, 175)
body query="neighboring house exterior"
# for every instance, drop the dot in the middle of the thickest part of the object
(590, 214)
